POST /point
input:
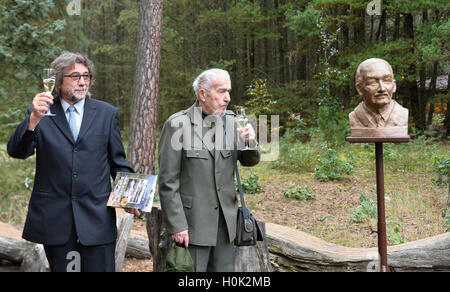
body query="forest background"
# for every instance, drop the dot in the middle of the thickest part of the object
(295, 59)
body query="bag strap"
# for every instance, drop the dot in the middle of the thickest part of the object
(245, 210)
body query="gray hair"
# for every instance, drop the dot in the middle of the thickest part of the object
(205, 79)
(66, 61)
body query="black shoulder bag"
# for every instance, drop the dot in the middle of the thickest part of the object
(248, 230)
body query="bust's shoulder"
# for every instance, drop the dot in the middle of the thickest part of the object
(399, 108)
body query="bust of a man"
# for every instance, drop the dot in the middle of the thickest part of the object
(378, 115)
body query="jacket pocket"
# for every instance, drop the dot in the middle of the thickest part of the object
(186, 201)
(203, 154)
(225, 153)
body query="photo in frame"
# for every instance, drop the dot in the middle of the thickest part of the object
(133, 190)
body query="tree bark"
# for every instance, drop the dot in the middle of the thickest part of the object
(146, 92)
(447, 113)
(432, 92)
(416, 100)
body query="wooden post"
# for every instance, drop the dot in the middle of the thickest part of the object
(382, 238)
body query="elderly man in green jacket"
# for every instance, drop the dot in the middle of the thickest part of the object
(196, 173)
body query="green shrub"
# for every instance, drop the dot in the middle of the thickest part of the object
(301, 193)
(16, 181)
(296, 156)
(366, 211)
(393, 232)
(331, 166)
(441, 166)
(333, 126)
(447, 222)
(251, 184)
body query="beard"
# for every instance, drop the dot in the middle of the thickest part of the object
(219, 112)
(75, 94)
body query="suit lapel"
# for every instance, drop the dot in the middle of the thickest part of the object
(88, 117)
(60, 120)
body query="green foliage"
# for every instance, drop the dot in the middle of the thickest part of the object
(332, 166)
(366, 211)
(251, 184)
(295, 155)
(333, 126)
(447, 222)
(393, 229)
(441, 166)
(261, 101)
(29, 41)
(16, 179)
(301, 193)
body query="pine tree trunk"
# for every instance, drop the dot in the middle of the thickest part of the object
(146, 91)
(417, 101)
(447, 115)
(432, 91)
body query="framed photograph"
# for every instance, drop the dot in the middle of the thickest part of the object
(133, 190)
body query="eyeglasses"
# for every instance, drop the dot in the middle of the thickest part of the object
(76, 76)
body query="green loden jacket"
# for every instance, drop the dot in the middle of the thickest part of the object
(196, 174)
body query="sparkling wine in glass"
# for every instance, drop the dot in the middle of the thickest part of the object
(242, 121)
(48, 76)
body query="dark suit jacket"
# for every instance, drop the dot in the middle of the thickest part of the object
(72, 181)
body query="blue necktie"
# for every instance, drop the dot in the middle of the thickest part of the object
(72, 123)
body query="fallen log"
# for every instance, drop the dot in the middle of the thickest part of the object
(13, 249)
(35, 260)
(32, 257)
(137, 247)
(292, 250)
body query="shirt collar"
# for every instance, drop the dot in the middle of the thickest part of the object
(385, 114)
(79, 106)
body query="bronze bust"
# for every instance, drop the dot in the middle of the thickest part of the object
(378, 115)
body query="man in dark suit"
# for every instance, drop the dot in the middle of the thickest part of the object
(77, 151)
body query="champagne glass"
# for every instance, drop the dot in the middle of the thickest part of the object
(242, 121)
(48, 76)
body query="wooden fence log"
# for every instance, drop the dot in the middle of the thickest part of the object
(124, 225)
(293, 250)
(35, 260)
(32, 256)
(137, 247)
(13, 249)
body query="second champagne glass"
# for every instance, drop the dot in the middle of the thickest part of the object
(49, 77)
